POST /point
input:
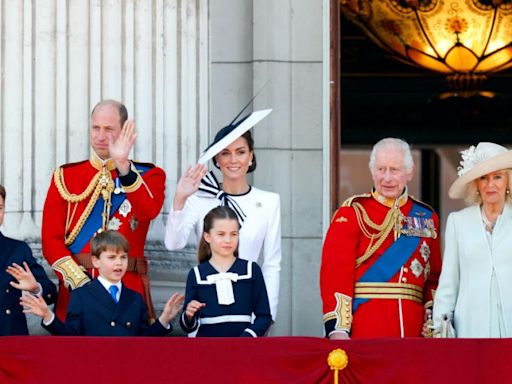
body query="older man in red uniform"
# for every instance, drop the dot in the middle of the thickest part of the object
(381, 256)
(108, 191)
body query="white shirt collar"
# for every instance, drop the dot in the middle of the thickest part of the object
(106, 284)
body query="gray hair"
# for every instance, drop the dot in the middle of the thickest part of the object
(471, 196)
(391, 143)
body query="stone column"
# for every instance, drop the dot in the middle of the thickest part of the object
(279, 43)
(58, 58)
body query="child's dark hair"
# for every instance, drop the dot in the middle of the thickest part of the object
(204, 252)
(109, 240)
(2, 192)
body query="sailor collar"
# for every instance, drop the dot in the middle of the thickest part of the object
(99, 163)
(402, 200)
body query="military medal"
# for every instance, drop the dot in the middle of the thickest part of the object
(118, 189)
(125, 208)
(416, 268)
(425, 251)
(134, 223)
(114, 224)
(419, 227)
(427, 270)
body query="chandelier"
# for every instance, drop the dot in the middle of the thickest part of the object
(464, 39)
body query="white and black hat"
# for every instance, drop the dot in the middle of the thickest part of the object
(231, 132)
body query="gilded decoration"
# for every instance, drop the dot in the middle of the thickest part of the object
(464, 39)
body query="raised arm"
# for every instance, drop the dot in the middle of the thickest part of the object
(186, 210)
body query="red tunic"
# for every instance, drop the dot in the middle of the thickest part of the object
(382, 315)
(145, 197)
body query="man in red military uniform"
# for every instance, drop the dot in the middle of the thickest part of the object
(381, 256)
(108, 191)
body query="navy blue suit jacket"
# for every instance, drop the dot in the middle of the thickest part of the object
(92, 312)
(12, 319)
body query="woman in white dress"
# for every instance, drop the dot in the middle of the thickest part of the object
(258, 211)
(475, 287)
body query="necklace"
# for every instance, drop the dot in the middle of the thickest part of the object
(489, 225)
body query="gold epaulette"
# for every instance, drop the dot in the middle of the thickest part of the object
(348, 202)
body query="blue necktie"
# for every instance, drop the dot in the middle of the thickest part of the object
(113, 292)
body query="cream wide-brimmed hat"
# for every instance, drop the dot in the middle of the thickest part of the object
(478, 161)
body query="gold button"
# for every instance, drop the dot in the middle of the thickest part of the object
(7, 311)
(112, 323)
(406, 270)
(128, 324)
(404, 279)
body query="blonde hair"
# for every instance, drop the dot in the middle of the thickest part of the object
(472, 196)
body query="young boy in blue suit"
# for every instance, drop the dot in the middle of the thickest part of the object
(106, 307)
(16, 261)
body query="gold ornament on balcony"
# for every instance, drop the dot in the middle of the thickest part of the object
(464, 39)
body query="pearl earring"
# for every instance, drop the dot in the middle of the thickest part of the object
(250, 163)
(217, 164)
(508, 191)
(477, 193)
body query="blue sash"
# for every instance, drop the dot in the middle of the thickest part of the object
(390, 262)
(95, 220)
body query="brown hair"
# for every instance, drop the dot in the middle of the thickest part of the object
(204, 252)
(2, 192)
(250, 143)
(109, 240)
(123, 112)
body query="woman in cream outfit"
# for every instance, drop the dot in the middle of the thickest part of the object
(475, 287)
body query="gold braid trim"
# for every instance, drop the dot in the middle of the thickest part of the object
(342, 313)
(72, 275)
(83, 217)
(58, 178)
(101, 183)
(138, 182)
(391, 221)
